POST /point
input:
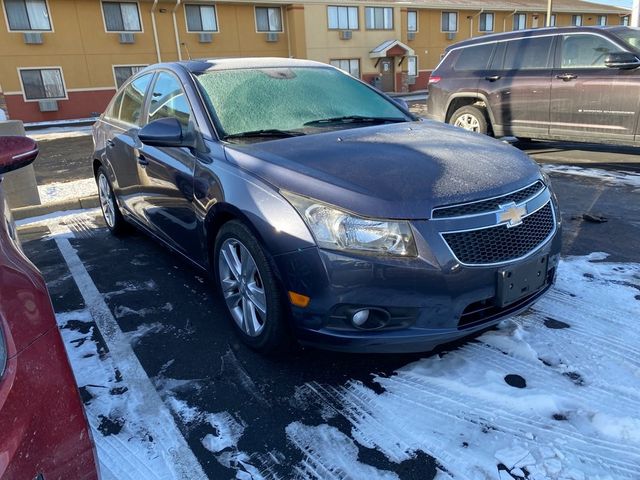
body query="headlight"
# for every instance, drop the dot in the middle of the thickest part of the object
(338, 230)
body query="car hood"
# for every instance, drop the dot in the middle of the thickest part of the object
(397, 171)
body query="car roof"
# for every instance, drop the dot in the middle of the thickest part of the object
(217, 64)
(530, 32)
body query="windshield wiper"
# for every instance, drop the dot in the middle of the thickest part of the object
(355, 119)
(271, 132)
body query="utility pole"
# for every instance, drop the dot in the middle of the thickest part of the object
(550, 8)
(635, 14)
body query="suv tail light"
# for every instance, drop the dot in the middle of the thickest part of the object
(434, 79)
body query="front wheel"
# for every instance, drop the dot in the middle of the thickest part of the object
(470, 118)
(248, 285)
(110, 210)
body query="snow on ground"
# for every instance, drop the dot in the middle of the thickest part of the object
(55, 133)
(575, 354)
(608, 176)
(59, 191)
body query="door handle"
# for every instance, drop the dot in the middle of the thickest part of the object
(142, 160)
(566, 76)
(493, 78)
(110, 143)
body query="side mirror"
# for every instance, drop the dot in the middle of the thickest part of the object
(622, 60)
(402, 102)
(16, 152)
(166, 132)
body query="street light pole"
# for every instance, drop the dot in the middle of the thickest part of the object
(635, 14)
(550, 7)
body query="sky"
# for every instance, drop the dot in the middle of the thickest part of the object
(617, 3)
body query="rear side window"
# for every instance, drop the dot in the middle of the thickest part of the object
(528, 54)
(133, 100)
(474, 58)
(585, 51)
(114, 112)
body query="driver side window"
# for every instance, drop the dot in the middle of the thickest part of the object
(169, 100)
(585, 51)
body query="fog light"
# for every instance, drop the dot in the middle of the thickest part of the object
(360, 317)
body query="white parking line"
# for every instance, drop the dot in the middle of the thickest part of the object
(179, 462)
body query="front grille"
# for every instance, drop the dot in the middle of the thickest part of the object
(489, 205)
(501, 244)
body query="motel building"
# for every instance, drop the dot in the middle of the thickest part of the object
(64, 59)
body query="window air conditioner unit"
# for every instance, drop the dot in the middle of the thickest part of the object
(33, 38)
(451, 35)
(206, 38)
(346, 34)
(272, 36)
(127, 38)
(411, 35)
(48, 105)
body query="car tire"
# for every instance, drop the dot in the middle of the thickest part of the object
(108, 204)
(470, 118)
(244, 274)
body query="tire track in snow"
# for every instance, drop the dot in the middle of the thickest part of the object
(458, 408)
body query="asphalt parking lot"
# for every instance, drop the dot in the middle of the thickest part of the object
(170, 393)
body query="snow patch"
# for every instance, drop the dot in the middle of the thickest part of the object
(330, 454)
(576, 418)
(608, 176)
(227, 432)
(60, 191)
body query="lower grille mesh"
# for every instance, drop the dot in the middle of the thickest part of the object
(501, 244)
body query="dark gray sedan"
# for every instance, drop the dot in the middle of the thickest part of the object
(324, 210)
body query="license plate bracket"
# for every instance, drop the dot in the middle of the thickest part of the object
(521, 280)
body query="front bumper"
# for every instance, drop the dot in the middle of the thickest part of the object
(430, 300)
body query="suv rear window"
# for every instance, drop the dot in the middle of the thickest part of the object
(527, 54)
(474, 58)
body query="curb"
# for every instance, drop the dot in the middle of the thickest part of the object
(71, 204)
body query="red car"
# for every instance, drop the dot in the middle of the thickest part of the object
(43, 429)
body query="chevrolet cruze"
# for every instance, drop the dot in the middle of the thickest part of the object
(324, 210)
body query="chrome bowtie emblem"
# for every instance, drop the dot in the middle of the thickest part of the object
(511, 214)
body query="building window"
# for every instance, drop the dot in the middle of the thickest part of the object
(43, 84)
(27, 15)
(201, 18)
(268, 19)
(602, 20)
(553, 20)
(342, 18)
(350, 65)
(378, 18)
(486, 22)
(576, 20)
(412, 66)
(412, 21)
(449, 22)
(124, 72)
(121, 17)
(624, 20)
(520, 21)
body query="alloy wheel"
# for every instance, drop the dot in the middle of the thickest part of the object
(468, 122)
(106, 200)
(242, 287)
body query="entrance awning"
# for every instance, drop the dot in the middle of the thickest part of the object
(391, 48)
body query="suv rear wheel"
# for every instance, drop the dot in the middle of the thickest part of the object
(470, 118)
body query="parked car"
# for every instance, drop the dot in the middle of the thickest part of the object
(324, 209)
(44, 430)
(573, 83)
